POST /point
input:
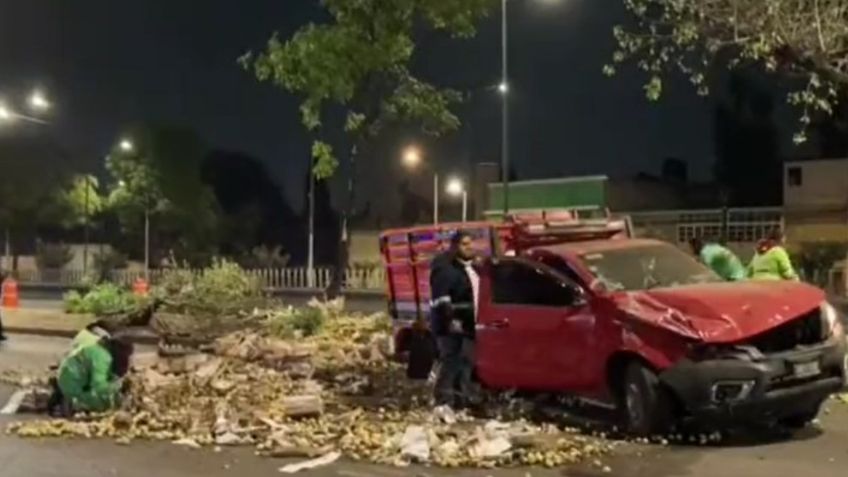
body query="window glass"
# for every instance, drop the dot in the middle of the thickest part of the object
(647, 267)
(517, 283)
(795, 177)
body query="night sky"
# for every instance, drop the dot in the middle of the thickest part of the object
(110, 63)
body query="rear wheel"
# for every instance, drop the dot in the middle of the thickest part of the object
(645, 404)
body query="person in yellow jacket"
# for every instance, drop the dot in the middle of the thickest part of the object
(771, 261)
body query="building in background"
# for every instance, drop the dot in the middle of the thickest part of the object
(815, 199)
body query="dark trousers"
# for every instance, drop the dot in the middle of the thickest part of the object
(2, 335)
(453, 384)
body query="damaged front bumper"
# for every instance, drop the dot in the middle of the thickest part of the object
(742, 384)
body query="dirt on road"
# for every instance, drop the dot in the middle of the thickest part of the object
(821, 451)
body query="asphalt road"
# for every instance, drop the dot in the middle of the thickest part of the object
(820, 452)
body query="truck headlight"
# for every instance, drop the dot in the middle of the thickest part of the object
(831, 320)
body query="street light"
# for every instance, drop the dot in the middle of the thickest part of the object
(457, 188)
(126, 145)
(5, 113)
(39, 102)
(412, 158)
(503, 88)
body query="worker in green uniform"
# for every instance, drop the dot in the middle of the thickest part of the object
(771, 261)
(719, 258)
(89, 377)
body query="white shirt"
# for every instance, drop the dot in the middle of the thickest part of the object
(474, 278)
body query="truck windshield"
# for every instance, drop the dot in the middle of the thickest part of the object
(647, 267)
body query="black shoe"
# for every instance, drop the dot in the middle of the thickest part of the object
(3, 338)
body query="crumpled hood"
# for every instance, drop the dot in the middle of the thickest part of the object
(721, 312)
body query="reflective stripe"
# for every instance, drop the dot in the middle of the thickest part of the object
(442, 300)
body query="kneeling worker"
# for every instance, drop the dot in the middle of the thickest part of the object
(719, 258)
(89, 377)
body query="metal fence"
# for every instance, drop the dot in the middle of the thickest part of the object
(271, 279)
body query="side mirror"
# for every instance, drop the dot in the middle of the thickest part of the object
(579, 295)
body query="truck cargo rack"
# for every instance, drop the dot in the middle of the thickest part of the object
(407, 252)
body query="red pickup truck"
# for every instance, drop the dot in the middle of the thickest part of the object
(582, 309)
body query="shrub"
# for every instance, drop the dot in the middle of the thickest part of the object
(265, 257)
(107, 261)
(223, 289)
(226, 280)
(102, 300)
(814, 260)
(298, 323)
(52, 256)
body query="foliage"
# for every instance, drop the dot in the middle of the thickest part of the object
(79, 201)
(161, 177)
(360, 61)
(266, 257)
(102, 300)
(227, 280)
(32, 172)
(175, 282)
(803, 39)
(814, 260)
(221, 289)
(107, 261)
(297, 323)
(52, 256)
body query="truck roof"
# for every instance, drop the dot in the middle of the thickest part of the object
(596, 246)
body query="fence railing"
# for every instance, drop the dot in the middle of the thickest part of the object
(271, 279)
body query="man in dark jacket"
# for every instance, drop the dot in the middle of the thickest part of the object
(454, 286)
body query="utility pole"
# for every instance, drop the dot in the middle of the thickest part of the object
(147, 243)
(87, 185)
(505, 87)
(310, 260)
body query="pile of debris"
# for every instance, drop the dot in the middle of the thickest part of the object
(330, 394)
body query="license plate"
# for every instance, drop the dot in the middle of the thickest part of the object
(806, 370)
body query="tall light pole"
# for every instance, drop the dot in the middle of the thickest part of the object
(310, 259)
(412, 159)
(455, 187)
(504, 90)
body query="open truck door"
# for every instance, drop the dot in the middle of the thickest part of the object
(533, 328)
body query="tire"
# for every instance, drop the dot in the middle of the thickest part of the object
(802, 419)
(644, 403)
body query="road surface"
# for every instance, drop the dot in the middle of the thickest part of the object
(821, 452)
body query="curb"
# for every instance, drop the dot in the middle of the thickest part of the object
(69, 334)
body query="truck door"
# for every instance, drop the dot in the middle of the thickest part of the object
(534, 329)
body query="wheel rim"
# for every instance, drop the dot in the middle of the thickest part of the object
(634, 404)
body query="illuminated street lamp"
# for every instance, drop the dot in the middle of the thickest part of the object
(456, 188)
(412, 158)
(126, 145)
(5, 113)
(39, 102)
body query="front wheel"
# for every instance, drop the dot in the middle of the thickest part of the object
(645, 404)
(801, 419)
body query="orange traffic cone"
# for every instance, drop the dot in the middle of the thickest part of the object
(11, 299)
(140, 287)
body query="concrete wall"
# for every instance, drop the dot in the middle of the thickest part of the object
(365, 246)
(823, 183)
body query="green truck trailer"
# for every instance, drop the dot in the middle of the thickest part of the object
(586, 195)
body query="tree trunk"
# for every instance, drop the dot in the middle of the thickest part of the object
(337, 283)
